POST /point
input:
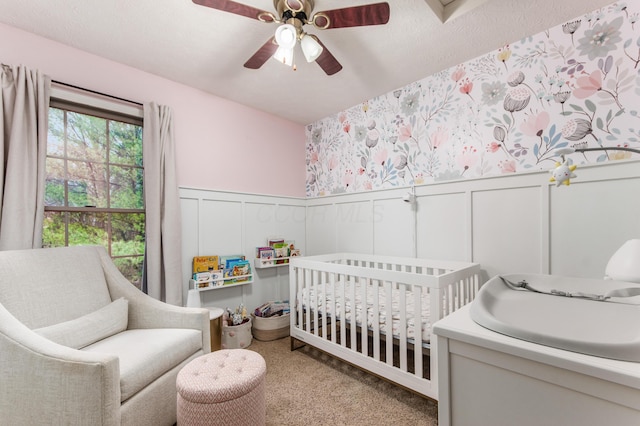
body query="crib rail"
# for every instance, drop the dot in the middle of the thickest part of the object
(377, 311)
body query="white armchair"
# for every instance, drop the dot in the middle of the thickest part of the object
(79, 345)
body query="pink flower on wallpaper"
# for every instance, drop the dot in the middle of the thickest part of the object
(588, 85)
(348, 179)
(458, 74)
(535, 124)
(313, 157)
(466, 87)
(493, 147)
(439, 137)
(333, 162)
(507, 166)
(467, 158)
(346, 126)
(405, 132)
(381, 157)
(342, 117)
(368, 185)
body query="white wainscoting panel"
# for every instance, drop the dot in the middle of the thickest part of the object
(321, 229)
(590, 221)
(506, 230)
(394, 223)
(354, 227)
(442, 226)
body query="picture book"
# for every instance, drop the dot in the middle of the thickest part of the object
(205, 264)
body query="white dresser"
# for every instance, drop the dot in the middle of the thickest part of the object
(489, 379)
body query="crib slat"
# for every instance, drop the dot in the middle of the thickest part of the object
(364, 335)
(417, 329)
(389, 322)
(402, 326)
(376, 319)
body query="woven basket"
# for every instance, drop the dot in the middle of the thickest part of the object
(272, 328)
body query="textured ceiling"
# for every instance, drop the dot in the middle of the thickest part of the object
(206, 48)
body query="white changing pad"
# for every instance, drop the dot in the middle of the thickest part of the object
(325, 306)
(607, 329)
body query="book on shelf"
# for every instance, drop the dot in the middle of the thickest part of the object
(237, 271)
(266, 255)
(205, 264)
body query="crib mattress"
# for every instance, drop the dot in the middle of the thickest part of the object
(331, 306)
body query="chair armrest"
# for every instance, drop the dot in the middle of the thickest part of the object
(147, 312)
(43, 382)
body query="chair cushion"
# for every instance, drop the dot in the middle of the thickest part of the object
(89, 328)
(146, 354)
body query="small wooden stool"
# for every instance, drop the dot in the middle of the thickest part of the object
(225, 387)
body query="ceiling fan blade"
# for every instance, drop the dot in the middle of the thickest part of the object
(262, 55)
(234, 7)
(356, 16)
(326, 60)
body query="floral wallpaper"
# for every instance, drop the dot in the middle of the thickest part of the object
(575, 85)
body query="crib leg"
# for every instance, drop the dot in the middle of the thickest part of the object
(293, 344)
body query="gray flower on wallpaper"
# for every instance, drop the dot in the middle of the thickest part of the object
(571, 27)
(603, 38)
(372, 138)
(499, 133)
(561, 97)
(515, 78)
(410, 103)
(516, 99)
(400, 162)
(493, 92)
(360, 133)
(311, 179)
(316, 135)
(576, 129)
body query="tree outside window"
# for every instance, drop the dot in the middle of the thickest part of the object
(94, 185)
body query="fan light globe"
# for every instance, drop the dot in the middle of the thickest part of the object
(286, 36)
(284, 56)
(310, 48)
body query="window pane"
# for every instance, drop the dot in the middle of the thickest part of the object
(127, 234)
(53, 230)
(54, 184)
(126, 143)
(87, 137)
(131, 268)
(55, 138)
(126, 188)
(88, 229)
(87, 184)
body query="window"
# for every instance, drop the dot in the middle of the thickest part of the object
(94, 183)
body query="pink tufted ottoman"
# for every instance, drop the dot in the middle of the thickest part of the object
(224, 387)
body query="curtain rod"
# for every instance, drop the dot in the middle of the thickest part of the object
(96, 92)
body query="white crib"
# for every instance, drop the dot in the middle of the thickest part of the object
(339, 305)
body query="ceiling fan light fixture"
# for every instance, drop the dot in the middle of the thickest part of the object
(284, 56)
(311, 48)
(286, 36)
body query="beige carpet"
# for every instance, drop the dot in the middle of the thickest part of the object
(308, 387)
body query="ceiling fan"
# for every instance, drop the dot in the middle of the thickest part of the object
(293, 15)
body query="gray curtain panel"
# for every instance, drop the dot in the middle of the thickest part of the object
(162, 275)
(24, 109)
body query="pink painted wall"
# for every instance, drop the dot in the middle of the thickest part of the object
(220, 144)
